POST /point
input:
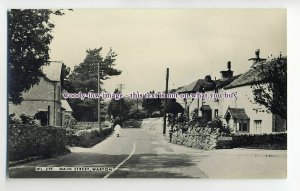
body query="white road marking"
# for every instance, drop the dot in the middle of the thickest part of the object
(119, 165)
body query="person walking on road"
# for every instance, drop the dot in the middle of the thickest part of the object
(118, 129)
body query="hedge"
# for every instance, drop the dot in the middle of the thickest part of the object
(256, 141)
(132, 123)
(87, 138)
(32, 140)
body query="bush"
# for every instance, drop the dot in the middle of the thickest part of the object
(87, 138)
(32, 140)
(137, 114)
(261, 141)
(132, 123)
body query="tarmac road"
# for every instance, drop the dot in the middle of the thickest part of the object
(140, 153)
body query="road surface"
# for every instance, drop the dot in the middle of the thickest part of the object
(140, 153)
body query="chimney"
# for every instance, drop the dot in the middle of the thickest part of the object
(227, 74)
(229, 65)
(257, 51)
(208, 78)
(257, 60)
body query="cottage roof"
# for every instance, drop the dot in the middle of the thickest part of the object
(52, 71)
(236, 113)
(197, 86)
(226, 82)
(65, 105)
(245, 79)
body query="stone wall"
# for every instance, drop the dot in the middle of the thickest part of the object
(200, 137)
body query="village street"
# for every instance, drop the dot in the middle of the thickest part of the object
(144, 153)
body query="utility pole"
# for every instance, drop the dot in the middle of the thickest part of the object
(121, 87)
(137, 103)
(165, 111)
(99, 114)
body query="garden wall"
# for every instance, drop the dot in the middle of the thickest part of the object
(208, 138)
(200, 137)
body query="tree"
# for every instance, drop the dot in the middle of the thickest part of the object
(29, 36)
(120, 108)
(270, 89)
(174, 107)
(152, 104)
(84, 78)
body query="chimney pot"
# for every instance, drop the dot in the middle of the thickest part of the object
(229, 65)
(257, 53)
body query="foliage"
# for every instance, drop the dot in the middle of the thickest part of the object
(152, 104)
(27, 120)
(201, 121)
(84, 78)
(260, 141)
(13, 120)
(137, 114)
(87, 137)
(270, 89)
(24, 119)
(174, 107)
(119, 108)
(32, 140)
(132, 123)
(29, 36)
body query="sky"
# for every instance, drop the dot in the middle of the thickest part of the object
(192, 43)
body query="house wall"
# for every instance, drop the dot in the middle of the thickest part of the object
(253, 110)
(269, 123)
(190, 102)
(39, 97)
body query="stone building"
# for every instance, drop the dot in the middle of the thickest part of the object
(43, 100)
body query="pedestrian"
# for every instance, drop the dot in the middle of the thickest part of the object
(118, 129)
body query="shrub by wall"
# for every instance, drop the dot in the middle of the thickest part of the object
(132, 123)
(32, 140)
(88, 137)
(256, 141)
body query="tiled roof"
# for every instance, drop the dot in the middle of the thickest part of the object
(52, 71)
(237, 113)
(247, 78)
(226, 82)
(197, 86)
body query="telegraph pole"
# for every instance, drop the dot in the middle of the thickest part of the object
(165, 111)
(99, 114)
(121, 87)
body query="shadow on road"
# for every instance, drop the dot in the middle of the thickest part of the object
(138, 166)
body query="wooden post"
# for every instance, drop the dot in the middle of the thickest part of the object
(165, 110)
(99, 114)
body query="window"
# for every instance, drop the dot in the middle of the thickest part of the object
(257, 125)
(243, 127)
